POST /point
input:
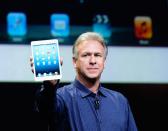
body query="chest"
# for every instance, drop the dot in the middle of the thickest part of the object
(109, 115)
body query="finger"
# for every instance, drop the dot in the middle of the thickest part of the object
(31, 64)
(32, 70)
(61, 60)
(31, 58)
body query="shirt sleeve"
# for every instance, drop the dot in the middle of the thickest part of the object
(131, 125)
(45, 98)
(50, 106)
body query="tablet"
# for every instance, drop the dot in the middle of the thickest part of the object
(46, 60)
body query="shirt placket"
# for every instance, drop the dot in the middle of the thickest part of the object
(96, 111)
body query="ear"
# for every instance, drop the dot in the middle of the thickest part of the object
(104, 63)
(74, 61)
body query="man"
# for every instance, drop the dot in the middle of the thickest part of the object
(85, 105)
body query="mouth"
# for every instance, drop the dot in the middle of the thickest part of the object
(92, 69)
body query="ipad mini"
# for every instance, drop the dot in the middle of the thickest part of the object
(46, 60)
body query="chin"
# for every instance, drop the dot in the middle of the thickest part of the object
(93, 76)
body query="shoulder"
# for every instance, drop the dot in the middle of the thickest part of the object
(67, 94)
(117, 99)
(114, 95)
(66, 90)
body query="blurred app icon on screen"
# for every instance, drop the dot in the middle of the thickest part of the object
(143, 27)
(59, 25)
(101, 24)
(16, 24)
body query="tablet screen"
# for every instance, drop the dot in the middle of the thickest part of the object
(46, 59)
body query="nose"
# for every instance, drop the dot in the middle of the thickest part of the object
(92, 60)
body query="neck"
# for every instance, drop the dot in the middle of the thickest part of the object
(91, 84)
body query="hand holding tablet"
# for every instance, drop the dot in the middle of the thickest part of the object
(46, 59)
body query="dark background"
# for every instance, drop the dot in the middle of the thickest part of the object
(148, 103)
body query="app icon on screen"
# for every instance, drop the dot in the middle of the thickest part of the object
(102, 25)
(60, 25)
(16, 24)
(143, 27)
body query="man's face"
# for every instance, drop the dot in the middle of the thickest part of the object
(90, 61)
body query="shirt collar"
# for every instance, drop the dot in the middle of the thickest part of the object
(84, 91)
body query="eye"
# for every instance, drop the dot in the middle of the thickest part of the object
(98, 55)
(84, 55)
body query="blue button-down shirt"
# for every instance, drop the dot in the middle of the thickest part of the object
(79, 109)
